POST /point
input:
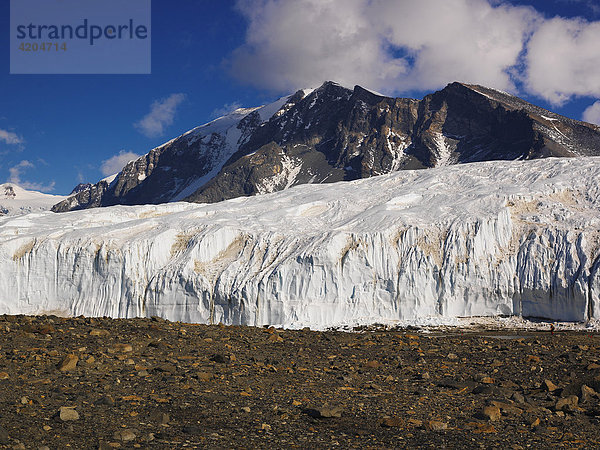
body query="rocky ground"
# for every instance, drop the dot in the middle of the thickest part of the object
(148, 383)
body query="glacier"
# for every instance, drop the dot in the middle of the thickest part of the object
(496, 238)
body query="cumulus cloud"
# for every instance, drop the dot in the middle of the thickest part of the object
(15, 177)
(563, 58)
(10, 138)
(161, 115)
(396, 46)
(592, 113)
(388, 46)
(115, 163)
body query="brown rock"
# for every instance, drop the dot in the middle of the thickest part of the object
(567, 404)
(508, 408)
(99, 332)
(204, 376)
(69, 363)
(275, 338)
(325, 412)
(68, 413)
(436, 425)
(549, 386)
(373, 364)
(391, 422)
(587, 393)
(491, 413)
(121, 348)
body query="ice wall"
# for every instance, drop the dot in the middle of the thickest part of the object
(483, 239)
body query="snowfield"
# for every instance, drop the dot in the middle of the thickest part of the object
(429, 246)
(15, 200)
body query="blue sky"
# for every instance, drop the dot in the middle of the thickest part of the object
(210, 56)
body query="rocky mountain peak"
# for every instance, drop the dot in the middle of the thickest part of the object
(335, 133)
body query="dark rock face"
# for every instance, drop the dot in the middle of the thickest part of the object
(80, 188)
(335, 134)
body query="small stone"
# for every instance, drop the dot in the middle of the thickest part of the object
(567, 404)
(168, 368)
(46, 428)
(165, 419)
(204, 376)
(24, 400)
(265, 427)
(325, 412)
(99, 332)
(373, 364)
(121, 348)
(535, 423)
(593, 366)
(519, 398)
(246, 409)
(4, 376)
(452, 356)
(69, 363)
(19, 446)
(491, 413)
(106, 400)
(220, 359)
(425, 376)
(275, 338)
(587, 393)
(549, 386)
(44, 447)
(487, 380)
(391, 422)
(124, 435)
(507, 408)
(67, 413)
(436, 425)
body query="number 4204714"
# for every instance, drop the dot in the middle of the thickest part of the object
(43, 47)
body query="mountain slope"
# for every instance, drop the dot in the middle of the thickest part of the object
(482, 239)
(334, 133)
(177, 168)
(15, 200)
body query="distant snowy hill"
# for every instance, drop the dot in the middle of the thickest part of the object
(481, 239)
(336, 133)
(14, 200)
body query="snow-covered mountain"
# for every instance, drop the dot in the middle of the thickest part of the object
(334, 133)
(502, 237)
(15, 200)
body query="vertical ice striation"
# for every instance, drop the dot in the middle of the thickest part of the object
(484, 239)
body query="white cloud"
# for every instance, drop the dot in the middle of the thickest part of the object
(563, 58)
(384, 45)
(395, 46)
(592, 113)
(161, 115)
(15, 177)
(10, 138)
(226, 109)
(116, 163)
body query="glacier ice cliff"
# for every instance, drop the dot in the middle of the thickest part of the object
(481, 239)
